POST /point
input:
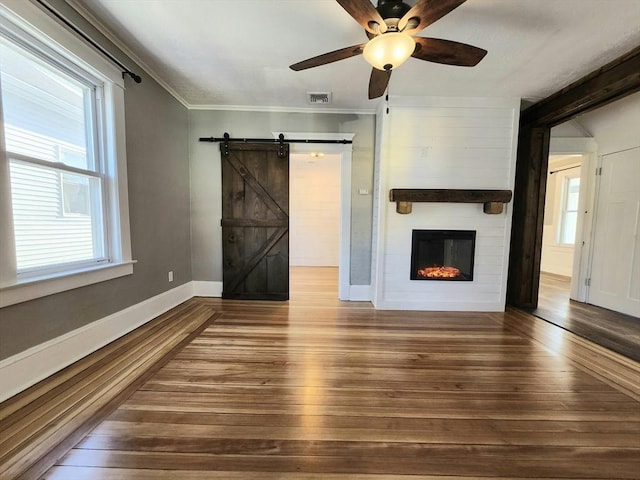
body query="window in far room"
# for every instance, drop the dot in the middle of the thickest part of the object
(569, 209)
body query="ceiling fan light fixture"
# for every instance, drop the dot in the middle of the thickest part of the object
(389, 50)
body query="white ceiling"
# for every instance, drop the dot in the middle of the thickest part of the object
(236, 53)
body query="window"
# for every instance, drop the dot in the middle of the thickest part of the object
(569, 212)
(56, 179)
(62, 162)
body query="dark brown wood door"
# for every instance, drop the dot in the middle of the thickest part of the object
(255, 221)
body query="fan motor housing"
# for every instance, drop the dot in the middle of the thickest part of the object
(392, 8)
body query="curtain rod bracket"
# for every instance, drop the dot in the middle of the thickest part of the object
(125, 71)
(136, 78)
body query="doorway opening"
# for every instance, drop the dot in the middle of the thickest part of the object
(560, 230)
(335, 155)
(601, 261)
(314, 214)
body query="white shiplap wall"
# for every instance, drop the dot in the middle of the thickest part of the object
(465, 143)
(314, 210)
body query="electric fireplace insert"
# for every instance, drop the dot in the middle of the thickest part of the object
(445, 255)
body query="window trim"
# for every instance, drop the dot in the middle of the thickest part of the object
(36, 287)
(27, 22)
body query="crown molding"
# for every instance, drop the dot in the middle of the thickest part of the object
(98, 25)
(104, 30)
(273, 109)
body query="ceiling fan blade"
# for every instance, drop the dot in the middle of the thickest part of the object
(447, 52)
(365, 14)
(378, 82)
(425, 12)
(328, 57)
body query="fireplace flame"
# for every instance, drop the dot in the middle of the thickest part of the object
(439, 272)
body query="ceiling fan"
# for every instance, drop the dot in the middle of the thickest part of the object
(390, 27)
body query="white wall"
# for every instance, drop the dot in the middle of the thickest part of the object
(314, 210)
(616, 126)
(464, 143)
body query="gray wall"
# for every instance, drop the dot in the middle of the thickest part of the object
(175, 221)
(206, 233)
(158, 171)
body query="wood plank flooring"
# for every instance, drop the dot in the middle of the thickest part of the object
(315, 388)
(617, 331)
(42, 423)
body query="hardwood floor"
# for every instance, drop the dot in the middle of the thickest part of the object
(42, 423)
(315, 388)
(617, 331)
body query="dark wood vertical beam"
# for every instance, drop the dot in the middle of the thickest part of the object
(528, 216)
(611, 82)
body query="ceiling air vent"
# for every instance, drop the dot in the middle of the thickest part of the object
(319, 98)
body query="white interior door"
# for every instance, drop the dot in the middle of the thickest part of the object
(615, 271)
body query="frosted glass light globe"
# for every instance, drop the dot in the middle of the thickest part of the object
(389, 50)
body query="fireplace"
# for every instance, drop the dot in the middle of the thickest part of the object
(445, 255)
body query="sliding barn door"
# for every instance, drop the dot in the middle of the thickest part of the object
(255, 221)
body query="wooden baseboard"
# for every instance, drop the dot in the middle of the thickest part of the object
(27, 368)
(43, 422)
(207, 289)
(359, 293)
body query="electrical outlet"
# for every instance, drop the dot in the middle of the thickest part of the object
(171, 276)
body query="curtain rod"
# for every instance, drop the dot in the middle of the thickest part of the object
(563, 169)
(125, 71)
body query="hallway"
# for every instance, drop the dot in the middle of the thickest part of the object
(613, 330)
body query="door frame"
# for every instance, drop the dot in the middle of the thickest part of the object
(346, 153)
(586, 147)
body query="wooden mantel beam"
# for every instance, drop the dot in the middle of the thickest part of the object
(493, 200)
